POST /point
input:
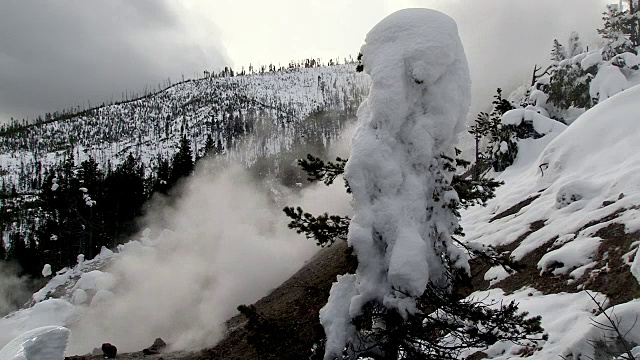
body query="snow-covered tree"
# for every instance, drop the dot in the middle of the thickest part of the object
(401, 173)
(575, 44)
(182, 163)
(558, 53)
(620, 30)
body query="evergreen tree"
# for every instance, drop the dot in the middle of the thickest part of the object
(569, 86)
(326, 229)
(182, 163)
(501, 148)
(558, 52)
(211, 148)
(91, 189)
(620, 30)
(3, 250)
(480, 130)
(163, 173)
(124, 196)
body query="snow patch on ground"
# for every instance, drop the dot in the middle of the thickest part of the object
(570, 256)
(496, 274)
(574, 175)
(566, 318)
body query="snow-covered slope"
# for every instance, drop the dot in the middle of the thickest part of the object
(251, 115)
(570, 214)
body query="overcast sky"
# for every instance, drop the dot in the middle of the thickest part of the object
(57, 54)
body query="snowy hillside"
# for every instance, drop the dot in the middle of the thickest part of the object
(571, 215)
(71, 185)
(249, 115)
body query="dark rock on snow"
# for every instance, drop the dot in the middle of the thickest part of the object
(109, 351)
(156, 348)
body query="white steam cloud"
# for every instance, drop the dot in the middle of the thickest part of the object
(13, 288)
(229, 246)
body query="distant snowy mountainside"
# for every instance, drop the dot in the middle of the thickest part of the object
(248, 115)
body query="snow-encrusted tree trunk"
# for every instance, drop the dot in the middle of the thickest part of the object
(400, 171)
(575, 45)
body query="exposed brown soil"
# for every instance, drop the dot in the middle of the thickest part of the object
(515, 208)
(479, 267)
(611, 276)
(529, 275)
(616, 281)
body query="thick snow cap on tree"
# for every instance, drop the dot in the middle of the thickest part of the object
(417, 106)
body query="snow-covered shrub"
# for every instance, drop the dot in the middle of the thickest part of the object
(620, 31)
(608, 82)
(501, 145)
(570, 256)
(515, 125)
(569, 85)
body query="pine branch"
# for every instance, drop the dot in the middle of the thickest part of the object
(318, 170)
(325, 229)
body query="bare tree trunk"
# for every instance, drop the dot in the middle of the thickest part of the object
(635, 28)
(476, 170)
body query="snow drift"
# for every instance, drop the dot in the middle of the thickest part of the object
(44, 343)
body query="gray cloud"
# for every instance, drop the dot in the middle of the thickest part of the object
(57, 54)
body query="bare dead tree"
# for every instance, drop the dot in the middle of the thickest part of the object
(612, 325)
(535, 76)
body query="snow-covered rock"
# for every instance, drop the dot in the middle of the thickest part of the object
(102, 298)
(49, 312)
(570, 256)
(95, 280)
(79, 297)
(46, 270)
(576, 190)
(44, 343)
